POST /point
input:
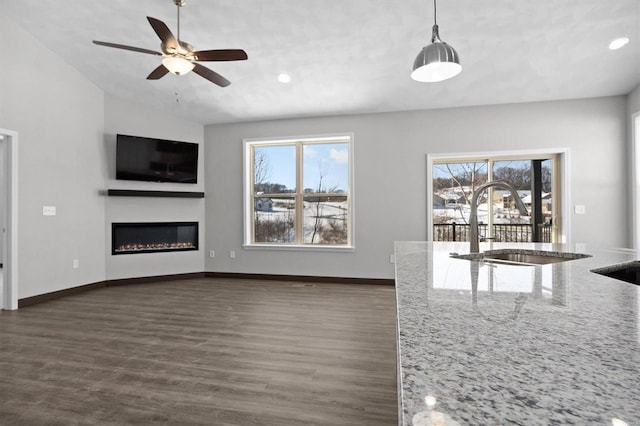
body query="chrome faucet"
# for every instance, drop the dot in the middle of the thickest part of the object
(473, 219)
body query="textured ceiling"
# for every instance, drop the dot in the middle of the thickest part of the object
(345, 56)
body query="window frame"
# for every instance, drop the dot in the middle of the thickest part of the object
(561, 175)
(248, 196)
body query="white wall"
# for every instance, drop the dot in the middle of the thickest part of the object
(633, 108)
(59, 116)
(390, 151)
(67, 151)
(126, 118)
(633, 100)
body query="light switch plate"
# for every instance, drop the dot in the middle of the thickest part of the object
(48, 210)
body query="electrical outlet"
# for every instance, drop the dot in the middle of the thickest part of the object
(580, 209)
(76, 264)
(580, 248)
(212, 254)
(48, 210)
(232, 254)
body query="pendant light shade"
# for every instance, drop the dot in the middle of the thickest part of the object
(437, 61)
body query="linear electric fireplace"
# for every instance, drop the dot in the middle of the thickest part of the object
(150, 237)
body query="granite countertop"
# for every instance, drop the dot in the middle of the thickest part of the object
(550, 344)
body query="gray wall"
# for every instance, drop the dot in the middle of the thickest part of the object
(633, 107)
(59, 116)
(67, 129)
(67, 133)
(126, 118)
(390, 151)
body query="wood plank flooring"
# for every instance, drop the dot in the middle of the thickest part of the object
(204, 351)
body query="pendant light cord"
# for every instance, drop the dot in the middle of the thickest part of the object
(435, 14)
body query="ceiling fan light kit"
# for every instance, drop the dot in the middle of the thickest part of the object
(180, 57)
(177, 65)
(437, 61)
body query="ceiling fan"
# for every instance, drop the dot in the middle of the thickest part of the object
(180, 57)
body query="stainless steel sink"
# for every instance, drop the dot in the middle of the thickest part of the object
(629, 272)
(521, 256)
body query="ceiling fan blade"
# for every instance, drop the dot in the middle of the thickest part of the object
(220, 55)
(163, 32)
(158, 73)
(210, 75)
(122, 46)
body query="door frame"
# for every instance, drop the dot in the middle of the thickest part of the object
(10, 266)
(561, 179)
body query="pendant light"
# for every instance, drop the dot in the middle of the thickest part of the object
(437, 61)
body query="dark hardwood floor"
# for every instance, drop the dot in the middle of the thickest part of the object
(203, 351)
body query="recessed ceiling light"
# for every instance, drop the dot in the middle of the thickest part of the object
(618, 43)
(284, 78)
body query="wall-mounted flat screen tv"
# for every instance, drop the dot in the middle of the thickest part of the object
(156, 160)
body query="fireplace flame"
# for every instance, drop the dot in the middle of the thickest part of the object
(156, 246)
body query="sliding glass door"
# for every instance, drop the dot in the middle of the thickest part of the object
(535, 178)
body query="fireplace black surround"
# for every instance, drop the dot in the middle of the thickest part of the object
(153, 237)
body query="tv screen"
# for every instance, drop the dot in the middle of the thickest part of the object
(156, 160)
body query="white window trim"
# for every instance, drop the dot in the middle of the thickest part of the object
(565, 196)
(248, 219)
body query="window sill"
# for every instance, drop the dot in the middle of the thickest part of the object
(290, 247)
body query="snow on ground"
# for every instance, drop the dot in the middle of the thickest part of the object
(324, 213)
(460, 213)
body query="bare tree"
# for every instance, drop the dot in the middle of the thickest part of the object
(261, 167)
(316, 223)
(471, 176)
(466, 177)
(320, 230)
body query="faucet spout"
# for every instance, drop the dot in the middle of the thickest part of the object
(473, 219)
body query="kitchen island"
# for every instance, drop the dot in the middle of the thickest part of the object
(493, 343)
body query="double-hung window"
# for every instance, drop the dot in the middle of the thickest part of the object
(299, 192)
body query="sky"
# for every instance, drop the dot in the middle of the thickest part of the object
(331, 161)
(440, 170)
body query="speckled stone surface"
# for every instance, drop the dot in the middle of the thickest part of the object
(508, 344)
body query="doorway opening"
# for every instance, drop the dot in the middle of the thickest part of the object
(9, 219)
